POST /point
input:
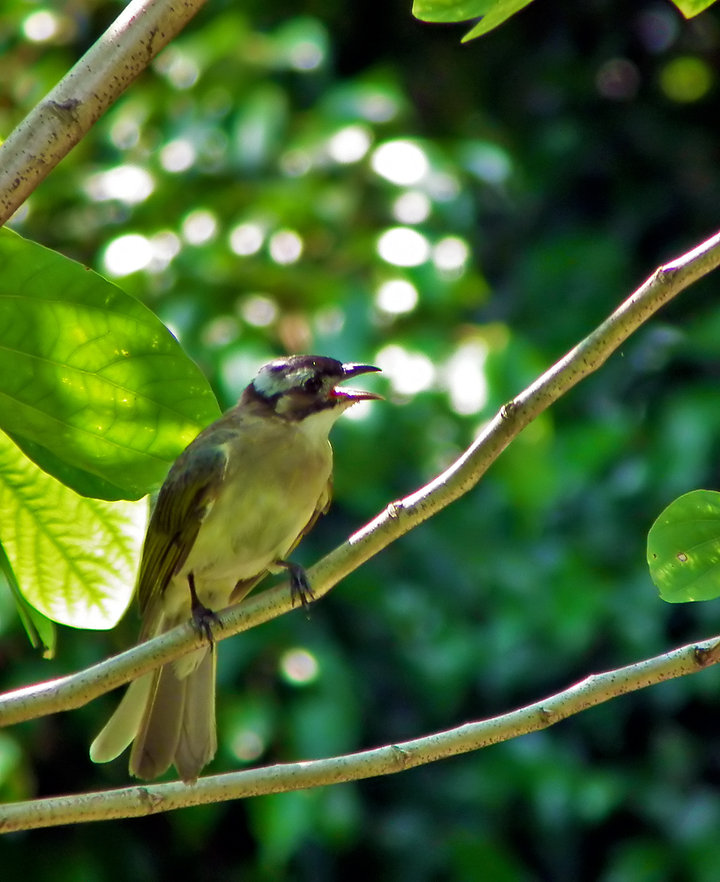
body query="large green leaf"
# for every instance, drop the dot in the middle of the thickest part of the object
(39, 628)
(95, 389)
(683, 548)
(74, 558)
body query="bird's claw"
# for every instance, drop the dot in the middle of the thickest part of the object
(203, 618)
(300, 588)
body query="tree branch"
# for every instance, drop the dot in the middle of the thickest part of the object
(141, 800)
(398, 518)
(64, 116)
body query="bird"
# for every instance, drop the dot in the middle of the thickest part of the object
(232, 508)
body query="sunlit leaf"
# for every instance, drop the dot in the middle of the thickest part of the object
(74, 558)
(500, 13)
(452, 10)
(492, 12)
(40, 630)
(689, 8)
(95, 389)
(683, 549)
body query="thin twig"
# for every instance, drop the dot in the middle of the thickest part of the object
(65, 115)
(141, 800)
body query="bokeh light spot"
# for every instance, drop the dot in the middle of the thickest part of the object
(166, 245)
(407, 372)
(350, 144)
(465, 377)
(378, 107)
(178, 155)
(412, 207)
(658, 28)
(487, 161)
(220, 331)
(127, 254)
(41, 26)
(299, 666)
(686, 79)
(180, 70)
(306, 55)
(247, 745)
(402, 246)
(258, 310)
(126, 183)
(199, 226)
(295, 163)
(618, 79)
(450, 254)
(401, 162)
(396, 296)
(246, 239)
(125, 132)
(442, 187)
(285, 246)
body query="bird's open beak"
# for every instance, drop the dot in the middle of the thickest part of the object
(351, 370)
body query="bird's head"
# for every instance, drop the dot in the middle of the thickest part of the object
(298, 386)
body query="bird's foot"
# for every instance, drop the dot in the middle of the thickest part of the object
(300, 588)
(203, 617)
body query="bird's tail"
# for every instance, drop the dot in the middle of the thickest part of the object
(169, 715)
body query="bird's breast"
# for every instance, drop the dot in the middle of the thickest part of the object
(272, 488)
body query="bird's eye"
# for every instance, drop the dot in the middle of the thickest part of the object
(312, 385)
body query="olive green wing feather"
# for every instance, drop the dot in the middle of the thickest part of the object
(184, 501)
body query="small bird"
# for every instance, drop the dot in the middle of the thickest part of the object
(233, 507)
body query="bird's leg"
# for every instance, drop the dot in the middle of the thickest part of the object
(300, 588)
(203, 617)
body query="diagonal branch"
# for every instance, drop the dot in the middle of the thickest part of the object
(399, 517)
(141, 800)
(65, 115)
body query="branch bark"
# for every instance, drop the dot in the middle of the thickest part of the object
(66, 114)
(138, 801)
(398, 518)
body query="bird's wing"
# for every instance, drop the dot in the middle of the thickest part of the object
(185, 499)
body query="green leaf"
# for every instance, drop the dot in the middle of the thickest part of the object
(683, 549)
(502, 11)
(95, 388)
(74, 558)
(40, 630)
(493, 12)
(690, 8)
(451, 10)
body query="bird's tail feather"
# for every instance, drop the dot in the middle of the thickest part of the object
(170, 718)
(178, 725)
(122, 726)
(197, 743)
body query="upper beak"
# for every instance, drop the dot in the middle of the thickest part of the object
(354, 370)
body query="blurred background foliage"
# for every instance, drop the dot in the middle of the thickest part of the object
(341, 178)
